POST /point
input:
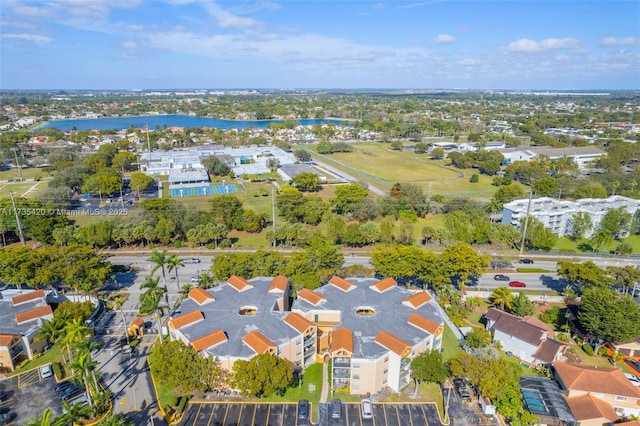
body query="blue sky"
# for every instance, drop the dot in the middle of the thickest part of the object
(163, 44)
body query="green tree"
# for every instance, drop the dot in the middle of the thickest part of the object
(160, 260)
(462, 261)
(104, 182)
(477, 338)
(348, 196)
(601, 238)
(123, 161)
(522, 306)
(616, 222)
(502, 297)
(306, 182)
(75, 413)
(140, 181)
(262, 375)
(429, 367)
(580, 225)
(585, 275)
(538, 236)
(114, 419)
(173, 264)
(606, 315)
(545, 187)
(508, 193)
(227, 209)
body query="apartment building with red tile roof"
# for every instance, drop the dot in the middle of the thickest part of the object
(595, 386)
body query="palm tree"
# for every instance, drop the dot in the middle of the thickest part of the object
(502, 297)
(86, 366)
(601, 238)
(161, 260)
(114, 419)
(184, 291)
(118, 302)
(75, 413)
(206, 281)
(74, 332)
(172, 264)
(44, 420)
(50, 332)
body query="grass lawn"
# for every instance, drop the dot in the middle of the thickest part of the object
(376, 164)
(29, 173)
(597, 361)
(450, 344)
(52, 355)
(566, 245)
(312, 375)
(20, 188)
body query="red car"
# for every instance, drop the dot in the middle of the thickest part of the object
(517, 284)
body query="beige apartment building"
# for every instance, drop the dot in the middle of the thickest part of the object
(370, 329)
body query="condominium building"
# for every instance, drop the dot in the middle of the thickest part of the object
(371, 329)
(557, 215)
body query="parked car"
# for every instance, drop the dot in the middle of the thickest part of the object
(336, 408)
(5, 418)
(46, 371)
(82, 401)
(633, 379)
(303, 409)
(62, 386)
(517, 284)
(195, 279)
(365, 406)
(527, 261)
(3, 395)
(501, 277)
(191, 260)
(72, 393)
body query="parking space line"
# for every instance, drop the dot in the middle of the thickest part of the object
(410, 416)
(268, 413)
(253, 418)
(224, 421)
(195, 418)
(282, 419)
(397, 413)
(385, 416)
(213, 410)
(240, 413)
(423, 412)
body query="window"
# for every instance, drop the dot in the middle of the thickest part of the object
(365, 311)
(355, 366)
(621, 398)
(385, 371)
(248, 310)
(386, 359)
(299, 342)
(355, 387)
(356, 377)
(384, 382)
(299, 353)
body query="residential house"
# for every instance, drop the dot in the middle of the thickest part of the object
(596, 395)
(528, 339)
(583, 156)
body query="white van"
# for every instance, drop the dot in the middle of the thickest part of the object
(45, 371)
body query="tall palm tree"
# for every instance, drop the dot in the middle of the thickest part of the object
(161, 260)
(502, 297)
(74, 332)
(206, 281)
(45, 420)
(118, 302)
(50, 332)
(114, 419)
(86, 366)
(173, 264)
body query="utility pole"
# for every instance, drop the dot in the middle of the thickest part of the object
(15, 152)
(15, 211)
(526, 222)
(273, 214)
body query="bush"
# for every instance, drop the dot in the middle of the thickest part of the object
(588, 349)
(603, 351)
(178, 244)
(474, 178)
(172, 401)
(561, 337)
(182, 403)
(57, 371)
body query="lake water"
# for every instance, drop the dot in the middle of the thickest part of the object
(169, 120)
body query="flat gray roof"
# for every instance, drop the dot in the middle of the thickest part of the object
(391, 314)
(188, 175)
(222, 314)
(8, 324)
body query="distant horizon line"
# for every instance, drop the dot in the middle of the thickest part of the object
(256, 89)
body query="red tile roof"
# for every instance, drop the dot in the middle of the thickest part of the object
(383, 285)
(238, 283)
(417, 300)
(259, 342)
(279, 284)
(425, 324)
(209, 340)
(26, 297)
(610, 381)
(298, 322)
(200, 296)
(5, 339)
(138, 322)
(311, 296)
(341, 283)
(393, 343)
(588, 407)
(186, 319)
(32, 314)
(342, 339)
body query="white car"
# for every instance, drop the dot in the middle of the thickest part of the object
(633, 379)
(45, 371)
(365, 405)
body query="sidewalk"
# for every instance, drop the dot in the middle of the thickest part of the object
(324, 395)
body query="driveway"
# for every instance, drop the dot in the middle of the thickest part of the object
(28, 395)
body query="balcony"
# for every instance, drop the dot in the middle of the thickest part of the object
(342, 362)
(341, 383)
(309, 351)
(341, 374)
(406, 363)
(309, 341)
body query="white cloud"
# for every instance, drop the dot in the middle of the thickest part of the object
(527, 45)
(129, 45)
(620, 41)
(31, 11)
(28, 38)
(134, 27)
(444, 38)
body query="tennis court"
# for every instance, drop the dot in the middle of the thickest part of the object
(190, 191)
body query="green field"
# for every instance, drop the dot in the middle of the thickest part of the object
(376, 164)
(20, 189)
(30, 173)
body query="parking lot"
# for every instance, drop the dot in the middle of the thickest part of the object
(282, 414)
(27, 397)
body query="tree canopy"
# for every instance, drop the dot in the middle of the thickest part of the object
(262, 375)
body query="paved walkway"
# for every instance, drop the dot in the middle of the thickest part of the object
(324, 395)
